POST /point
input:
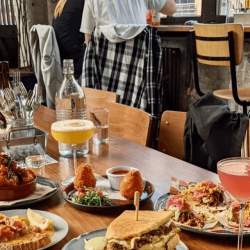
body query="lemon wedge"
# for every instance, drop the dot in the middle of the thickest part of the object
(39, 221)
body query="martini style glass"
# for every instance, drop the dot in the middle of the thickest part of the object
(234, 174)
(73, 132)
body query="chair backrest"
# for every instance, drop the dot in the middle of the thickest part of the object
(129, 123)
(171, 133)
(43, 118)
(97, 98)
(212, 43)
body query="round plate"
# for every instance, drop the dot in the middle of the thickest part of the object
(60, 225)
(78, 243)
(160, 205)
(40, 180)
(116, 204)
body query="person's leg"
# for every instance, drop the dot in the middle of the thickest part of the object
(89, 74)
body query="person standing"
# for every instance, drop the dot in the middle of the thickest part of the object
(123, 54)
(66, 23)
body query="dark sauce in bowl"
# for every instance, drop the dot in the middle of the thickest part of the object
(120, 172)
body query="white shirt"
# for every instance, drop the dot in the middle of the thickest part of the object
(118, 20)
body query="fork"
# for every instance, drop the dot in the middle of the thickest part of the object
(14, 103)
(19, 85)
(9, 96)
(23, 90)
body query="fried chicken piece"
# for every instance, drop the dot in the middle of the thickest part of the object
(131, 183)
(26, 175)
(11, 175)
(84, 177)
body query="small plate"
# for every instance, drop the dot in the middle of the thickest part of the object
(160, 205)
(40, 180)
(60, 225)
(78, 243)
(69, 191)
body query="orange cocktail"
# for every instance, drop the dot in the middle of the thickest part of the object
(72, 132)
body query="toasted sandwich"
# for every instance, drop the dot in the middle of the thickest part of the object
(153, 231)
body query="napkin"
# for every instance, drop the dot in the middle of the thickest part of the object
(41, 191)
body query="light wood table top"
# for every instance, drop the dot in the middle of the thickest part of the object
(155, 166)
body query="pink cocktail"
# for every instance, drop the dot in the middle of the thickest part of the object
(234, 175)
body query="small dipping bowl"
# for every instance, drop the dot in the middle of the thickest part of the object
(116, 174)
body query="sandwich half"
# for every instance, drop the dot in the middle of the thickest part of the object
(153, 231)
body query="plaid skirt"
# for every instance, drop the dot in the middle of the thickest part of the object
(132, 69)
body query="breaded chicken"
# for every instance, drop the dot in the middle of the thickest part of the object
(131, 183)
(84, 177)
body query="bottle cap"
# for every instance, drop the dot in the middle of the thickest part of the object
(68, 66)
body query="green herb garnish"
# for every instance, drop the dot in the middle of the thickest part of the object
(91, 197)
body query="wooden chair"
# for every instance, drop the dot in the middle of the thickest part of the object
(221, 45)
(97, 98)
(171, 133)
(129, 123)
(43, 118)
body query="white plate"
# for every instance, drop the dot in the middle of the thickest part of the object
(78, 243)
(60, 225)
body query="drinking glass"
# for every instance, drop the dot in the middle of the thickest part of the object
(100, 117)
(36, 163)
(73, 132)
(234, 174)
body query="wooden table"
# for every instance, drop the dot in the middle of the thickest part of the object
(155, 166)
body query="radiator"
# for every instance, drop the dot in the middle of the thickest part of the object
(171, 79)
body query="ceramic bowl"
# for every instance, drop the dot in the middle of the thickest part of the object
(12, 193)
(116, 174)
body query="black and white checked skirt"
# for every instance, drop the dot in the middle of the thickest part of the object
(132, 69)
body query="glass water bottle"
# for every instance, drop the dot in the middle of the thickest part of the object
(70, 104)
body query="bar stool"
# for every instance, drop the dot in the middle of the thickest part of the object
(222, 45)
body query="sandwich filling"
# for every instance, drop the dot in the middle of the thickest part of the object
(155, 239)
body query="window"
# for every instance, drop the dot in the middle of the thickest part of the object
(230, 7)
(206, 11)
(188, 8)
(222, 7)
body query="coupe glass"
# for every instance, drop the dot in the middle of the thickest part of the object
(73, 132)
(234, 175)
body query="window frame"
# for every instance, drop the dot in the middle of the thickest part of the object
(208, 15)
